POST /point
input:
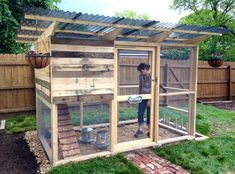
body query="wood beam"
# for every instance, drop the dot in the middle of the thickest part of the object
(23, 41)
(101, 35)
(159, 37)
(32, 28)
(105, 24)
(49, 31)
(112, 35)
(196, 40)
(25, 36)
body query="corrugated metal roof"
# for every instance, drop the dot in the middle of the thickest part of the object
(161, 26)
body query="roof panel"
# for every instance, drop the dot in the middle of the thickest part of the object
(161, 26)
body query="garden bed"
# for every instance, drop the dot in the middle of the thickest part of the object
(15, 157)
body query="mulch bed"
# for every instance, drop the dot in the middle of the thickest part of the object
(125, 133)
(15, 155)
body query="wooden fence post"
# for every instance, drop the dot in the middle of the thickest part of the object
(230, 82)
(166, 81)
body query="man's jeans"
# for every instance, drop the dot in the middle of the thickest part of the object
(142, 106)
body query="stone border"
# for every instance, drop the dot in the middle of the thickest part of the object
(2, 126)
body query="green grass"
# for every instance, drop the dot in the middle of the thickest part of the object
(20, 124)
(102, 116)
(117, 164)
(215, 155)
(126, 113)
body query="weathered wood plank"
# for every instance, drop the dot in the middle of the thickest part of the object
(88, 74)
(79, 48)
(43, 89)
(82, 92)
(83, 98)
(71, 41)
(81, 61)
(71, 54)
(43, 95)
(87, 67)
(82, 80)
(43, 83)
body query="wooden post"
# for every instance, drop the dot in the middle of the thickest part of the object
(37, 112)
(156, 91)
(54, 133)
(166, 81)
(114, 116)
(152, 56)
(230, 82)
(81, 115)
(193, 87)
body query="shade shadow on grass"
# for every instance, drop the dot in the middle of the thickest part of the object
(117, 164)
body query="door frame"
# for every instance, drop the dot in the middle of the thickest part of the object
(155, 75)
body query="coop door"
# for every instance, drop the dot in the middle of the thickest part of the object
(134, 97)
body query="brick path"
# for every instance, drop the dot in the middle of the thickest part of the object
(150, 163)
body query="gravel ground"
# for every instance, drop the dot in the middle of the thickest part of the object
(36, 148)
(125, 133)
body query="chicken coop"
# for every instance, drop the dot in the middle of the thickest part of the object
(86, 81)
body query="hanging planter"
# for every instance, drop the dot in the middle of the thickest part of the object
(216, 60)
(37, 61)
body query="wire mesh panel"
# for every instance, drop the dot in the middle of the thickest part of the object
(135, 71)
(173, 117)
(128, 74)
(175, 69)
(88, 124)
(128, 122)
(44, 121)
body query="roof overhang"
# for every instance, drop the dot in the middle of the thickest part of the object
(38, 23)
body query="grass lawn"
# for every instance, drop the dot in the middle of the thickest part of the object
(117, 164)
(215, 155)
(20, 124)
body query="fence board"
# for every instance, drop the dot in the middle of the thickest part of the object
(16, 84)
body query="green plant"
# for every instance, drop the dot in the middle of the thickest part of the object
(20, 124)
(117, 164)
(11, 12)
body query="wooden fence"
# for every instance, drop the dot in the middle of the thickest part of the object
(16, 84)
(17, 80)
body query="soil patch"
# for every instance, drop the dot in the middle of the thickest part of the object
(15, 156)
(228, 106)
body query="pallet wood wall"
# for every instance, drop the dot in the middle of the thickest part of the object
(16, 84)
(43, 76)
(81, 67)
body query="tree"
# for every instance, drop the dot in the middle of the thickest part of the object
(10, 14)
(132, 15)
(218, 13)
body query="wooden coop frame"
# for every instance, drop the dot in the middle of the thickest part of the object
(55, 36)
